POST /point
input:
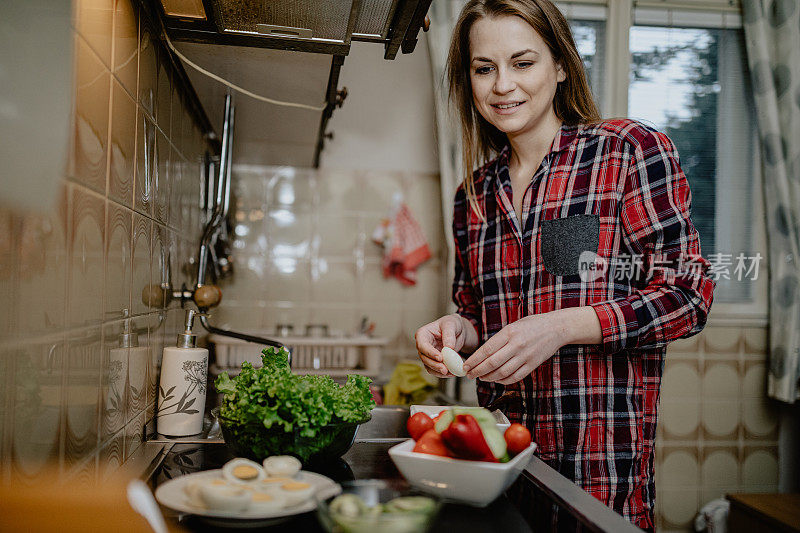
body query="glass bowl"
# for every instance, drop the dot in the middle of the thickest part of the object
(374, 492)
(256, 442)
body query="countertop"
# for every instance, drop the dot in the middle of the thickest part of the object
(365, 460)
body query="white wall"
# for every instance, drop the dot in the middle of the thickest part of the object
(387, 120)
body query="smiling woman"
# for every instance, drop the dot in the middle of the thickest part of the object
(576, 258)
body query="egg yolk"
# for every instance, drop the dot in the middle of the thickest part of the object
(273, 480)
(219, 482)
(258, 497)
(245, 472)
(295, 485)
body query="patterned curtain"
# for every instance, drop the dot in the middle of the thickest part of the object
(772, 34)
(443, 15)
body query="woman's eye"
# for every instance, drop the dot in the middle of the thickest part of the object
(524, 64)
(483, 70)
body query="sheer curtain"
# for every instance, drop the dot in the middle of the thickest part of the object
(772, 37)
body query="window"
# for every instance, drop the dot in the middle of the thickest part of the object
(692, 84)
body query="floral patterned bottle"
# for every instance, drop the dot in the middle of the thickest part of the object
(182, 387)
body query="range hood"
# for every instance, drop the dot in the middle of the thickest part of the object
(286, 49)
(327, 26)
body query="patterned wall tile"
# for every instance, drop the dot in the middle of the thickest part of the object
(142, 253)
(93, 21)
(82, 395)
(163, 96)
(145, 179)
(118, 269)
(123, 146)
(89, 154)
(126, 45)
(86, 258)
(162, 185)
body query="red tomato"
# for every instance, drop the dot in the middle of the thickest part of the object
(431, 442)
(418, 424)
(517, 438)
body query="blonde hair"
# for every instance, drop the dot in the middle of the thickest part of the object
(573, 102)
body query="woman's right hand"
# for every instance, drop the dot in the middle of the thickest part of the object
(447, 331)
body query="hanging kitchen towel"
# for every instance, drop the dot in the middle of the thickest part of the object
(404, 245)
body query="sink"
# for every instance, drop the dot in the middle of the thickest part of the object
(387, 423)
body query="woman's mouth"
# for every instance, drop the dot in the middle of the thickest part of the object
(506, 108)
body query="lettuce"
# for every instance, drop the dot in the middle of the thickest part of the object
(293, 409)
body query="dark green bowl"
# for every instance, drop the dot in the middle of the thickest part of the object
(256, 442)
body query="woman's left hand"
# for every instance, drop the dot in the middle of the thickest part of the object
(519, 348)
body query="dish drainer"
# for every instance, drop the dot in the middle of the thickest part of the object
(333, 356)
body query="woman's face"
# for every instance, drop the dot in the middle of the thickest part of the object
(513, 74)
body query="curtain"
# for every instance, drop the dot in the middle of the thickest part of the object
(772, 37)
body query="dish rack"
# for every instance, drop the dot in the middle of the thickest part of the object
(333, 356)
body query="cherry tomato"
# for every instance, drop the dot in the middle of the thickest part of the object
(418, 424)
(431, 442)
(517, 438)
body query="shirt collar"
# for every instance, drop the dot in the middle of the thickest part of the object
(565, 136)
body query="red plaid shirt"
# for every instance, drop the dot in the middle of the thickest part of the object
(616, 186)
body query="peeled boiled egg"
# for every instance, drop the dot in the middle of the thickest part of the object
(453, 362)
(296, 492)
(270, 484)
(282, 466)
(192, 490)
(242, 471)
(262, 501)
(224, 497)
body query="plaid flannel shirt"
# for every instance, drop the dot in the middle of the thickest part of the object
(616, 186)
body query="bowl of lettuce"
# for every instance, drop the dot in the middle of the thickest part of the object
(272, 411)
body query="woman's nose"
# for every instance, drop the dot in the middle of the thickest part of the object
(504, 82)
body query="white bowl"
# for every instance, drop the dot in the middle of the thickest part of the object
(476, 483)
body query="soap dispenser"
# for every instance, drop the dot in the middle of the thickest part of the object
(182, 387)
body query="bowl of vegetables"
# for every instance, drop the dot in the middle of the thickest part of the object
(463, 455)
(371, 505)
(271, 411)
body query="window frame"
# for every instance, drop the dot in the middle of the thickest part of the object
(621, 16)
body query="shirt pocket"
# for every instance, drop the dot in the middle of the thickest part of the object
(563, 240)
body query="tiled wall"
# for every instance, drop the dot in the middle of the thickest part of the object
(304, 254)
(717, 432)
(128, 209)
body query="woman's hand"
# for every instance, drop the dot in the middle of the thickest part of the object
(452, 331)
(519, 348)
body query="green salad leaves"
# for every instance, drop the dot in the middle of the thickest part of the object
(290, 410)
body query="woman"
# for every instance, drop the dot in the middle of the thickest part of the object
(576, 259)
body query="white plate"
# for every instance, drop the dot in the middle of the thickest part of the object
(172, 494)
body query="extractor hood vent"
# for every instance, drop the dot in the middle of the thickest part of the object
(302, 25)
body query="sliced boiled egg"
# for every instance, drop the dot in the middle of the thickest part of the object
(296, 491)
(241, 470)
(262, 501)
(270, 484)
(224, 497)
(282, 466)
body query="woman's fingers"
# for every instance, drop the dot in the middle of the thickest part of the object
(491, 346)
(520, 374)
(448, 332)
(505, 370)
(492, 363)
(432, 364)
(425, 339)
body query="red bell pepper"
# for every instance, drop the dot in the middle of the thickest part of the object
(465, 439)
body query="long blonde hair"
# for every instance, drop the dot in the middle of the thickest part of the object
(573, 102)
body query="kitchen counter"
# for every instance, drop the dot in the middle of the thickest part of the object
(365, 460)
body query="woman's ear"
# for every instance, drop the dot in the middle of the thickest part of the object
(561, 74)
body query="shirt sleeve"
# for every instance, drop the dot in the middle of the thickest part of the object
(656, 225)
(464, 295)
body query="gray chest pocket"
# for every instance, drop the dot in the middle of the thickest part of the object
(564, 239)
